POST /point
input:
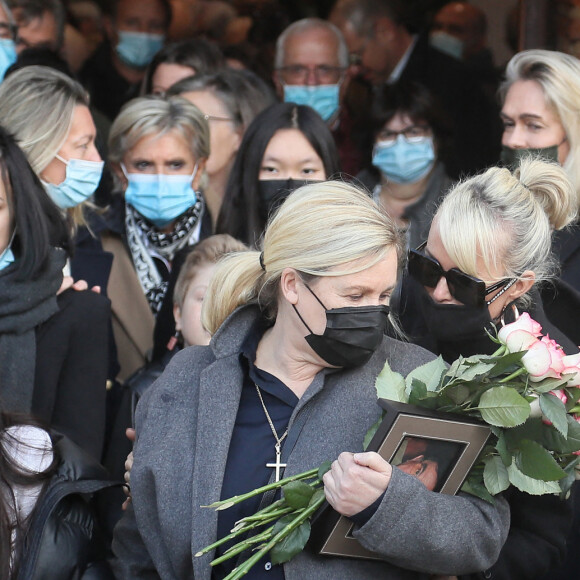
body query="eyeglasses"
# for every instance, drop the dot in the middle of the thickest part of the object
(216, 118)
(466, 289)
(298, 74)
(411, 134)
(8, 31)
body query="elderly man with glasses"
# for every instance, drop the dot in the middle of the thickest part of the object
(312, 68)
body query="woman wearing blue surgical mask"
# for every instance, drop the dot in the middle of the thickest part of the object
(53, 348)
(48, 112)
(407, 177)
(158, 148)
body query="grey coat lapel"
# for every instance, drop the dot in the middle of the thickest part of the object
(219, 398)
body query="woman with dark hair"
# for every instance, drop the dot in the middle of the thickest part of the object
(407, 176)
(53, 349)
(47, 530)
(179, 60)
(286, 146)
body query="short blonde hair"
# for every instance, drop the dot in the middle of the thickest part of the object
(208, 251)
(37, 104)
(158, 115)
(507, 219)
(319, 227)
(558, 75)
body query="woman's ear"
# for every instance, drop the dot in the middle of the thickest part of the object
(120, 175)
(289, 281)
(522, 285)
(198, 174)
(177, 316)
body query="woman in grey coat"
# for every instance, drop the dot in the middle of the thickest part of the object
(281, 372)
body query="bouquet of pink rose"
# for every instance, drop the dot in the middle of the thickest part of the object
(527, 391)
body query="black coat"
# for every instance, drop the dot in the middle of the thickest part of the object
(539, 527)
(71, 369)
(64, 539)
(474, 122)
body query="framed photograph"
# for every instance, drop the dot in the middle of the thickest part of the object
(437, 448)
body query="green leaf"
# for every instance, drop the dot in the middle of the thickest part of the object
(530, 485)
(291, 545)
(418, 392)
(474, 486)
(495, 475)
(323, 469)
(502, 449)
(371, 432)
(547, 385)
(318, 494)
(458, 393)
(567, 482)
(555, 411)
(297, 494)
(534, 461)
(471, 369)
(504, 407)
(391, 385)
(554, 441)
(430, 374)
(506, 364)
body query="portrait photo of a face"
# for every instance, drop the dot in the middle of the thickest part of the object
(429, 460)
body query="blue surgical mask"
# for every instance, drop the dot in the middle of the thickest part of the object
(446, 43)
(158, 197)
(404, 161)
(137, 49)
(322, 98)
(81, 181)
(7, 55)
(7, 256)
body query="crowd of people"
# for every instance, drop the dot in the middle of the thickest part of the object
(218, 221)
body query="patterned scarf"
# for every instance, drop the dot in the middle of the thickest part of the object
(147, 244)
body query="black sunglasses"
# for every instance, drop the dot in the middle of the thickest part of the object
(466, 289)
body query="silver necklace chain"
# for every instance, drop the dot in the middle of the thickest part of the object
(274, 432)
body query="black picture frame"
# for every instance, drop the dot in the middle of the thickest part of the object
(451, 441)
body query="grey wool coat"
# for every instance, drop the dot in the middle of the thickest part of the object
(184, 426)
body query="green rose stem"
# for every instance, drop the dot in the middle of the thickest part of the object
(244, 568)
(515, 374)
(240, 530)
(227, 503)
(235, 550)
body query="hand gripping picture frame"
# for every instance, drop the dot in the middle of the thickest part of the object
(438, 448)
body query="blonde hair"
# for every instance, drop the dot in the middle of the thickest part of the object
(37, 104)
(507, 219)
(208, 251)
(319, 230)
(558, 75)
(158, 115)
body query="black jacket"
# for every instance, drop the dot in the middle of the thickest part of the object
(475, 123)
(539, 527)
(64, 540)
(71, 369)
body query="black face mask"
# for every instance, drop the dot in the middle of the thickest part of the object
(454, 322)
(511, 157)
(351, 336)
(273, 193)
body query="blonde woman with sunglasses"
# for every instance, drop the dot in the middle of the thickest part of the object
(488, 251)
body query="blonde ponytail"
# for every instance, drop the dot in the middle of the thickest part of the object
(323, 229)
